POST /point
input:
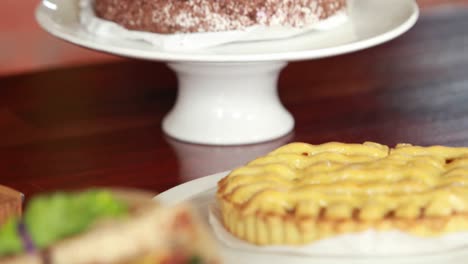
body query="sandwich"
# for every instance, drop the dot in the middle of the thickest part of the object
(105, 226)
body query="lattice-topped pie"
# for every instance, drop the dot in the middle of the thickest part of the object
(300, 193)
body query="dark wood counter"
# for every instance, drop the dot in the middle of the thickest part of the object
(100, 125)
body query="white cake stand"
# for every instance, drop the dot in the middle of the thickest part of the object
(228, 94)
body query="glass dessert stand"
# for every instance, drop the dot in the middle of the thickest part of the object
(228, 94)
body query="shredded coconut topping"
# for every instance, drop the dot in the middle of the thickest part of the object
(184, 16)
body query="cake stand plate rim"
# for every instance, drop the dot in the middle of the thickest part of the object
(73, 32)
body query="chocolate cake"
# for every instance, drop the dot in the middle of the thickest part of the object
(187, 16)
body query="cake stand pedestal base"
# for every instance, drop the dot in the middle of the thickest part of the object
(227, 103)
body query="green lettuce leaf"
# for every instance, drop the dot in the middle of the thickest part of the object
(10, 240)
(50, 218)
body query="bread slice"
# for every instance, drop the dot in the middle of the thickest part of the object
(23, 259)
(10, 203)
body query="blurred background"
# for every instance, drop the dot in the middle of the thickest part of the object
(25, 47)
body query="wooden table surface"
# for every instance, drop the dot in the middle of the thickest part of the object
(100, 125)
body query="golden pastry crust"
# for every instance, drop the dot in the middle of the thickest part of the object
(300, 193)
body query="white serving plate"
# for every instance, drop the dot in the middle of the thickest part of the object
(201, 193)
